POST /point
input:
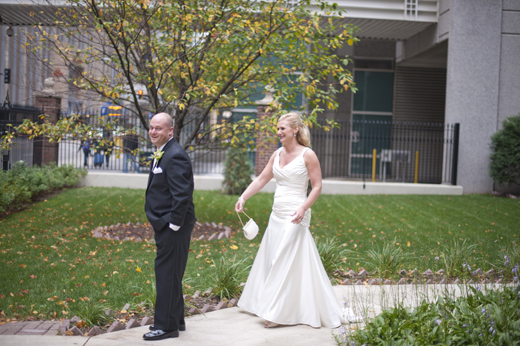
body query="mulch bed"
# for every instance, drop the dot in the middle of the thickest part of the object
(138, 231)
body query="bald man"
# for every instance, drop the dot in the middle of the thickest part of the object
(170, 210)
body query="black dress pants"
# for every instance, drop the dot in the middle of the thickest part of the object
(170, 263)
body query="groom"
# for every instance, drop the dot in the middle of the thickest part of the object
(170, 210)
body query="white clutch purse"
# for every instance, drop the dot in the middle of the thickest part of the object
(250, 228)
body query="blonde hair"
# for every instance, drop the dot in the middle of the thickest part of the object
(303, 136)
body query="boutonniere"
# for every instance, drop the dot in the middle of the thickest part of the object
(157, 155)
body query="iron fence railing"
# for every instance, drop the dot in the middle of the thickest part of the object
(404, 151)
(356, 149)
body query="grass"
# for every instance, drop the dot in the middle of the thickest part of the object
(49, 261)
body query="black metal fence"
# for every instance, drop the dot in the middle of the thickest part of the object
(357, 150)
(388, 151)
(22, 147)
(110, 150)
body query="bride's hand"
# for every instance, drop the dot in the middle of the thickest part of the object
(239, 206)
(298, 215)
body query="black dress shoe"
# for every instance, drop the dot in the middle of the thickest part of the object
(182, 327)
(160, 334)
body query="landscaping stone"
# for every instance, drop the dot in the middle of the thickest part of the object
(63, 329)
(442, 282)
(440, 272)
(499, 281)
(221, 305)
(146, 321)
(403, 272)
(428, 273)
(115, 327)
(347, 282)
(457, 281)
(233, 302)
(402, 281)
(75, 320)
(478, 272)
(214, 225)
(213, 236)
(126, 307)
(207, 308)
(359, 283)
(227, 232)
(430, 282)
(196, 294)
(208, 291)
(201, 237)
(94, 331)
(490, 272)
(132, 323)
(221, 235)
(388, 282)
(470, 282)
(194, 311)
(363, 273)
(352, 273)
(75, 331)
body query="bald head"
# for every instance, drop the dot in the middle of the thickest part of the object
(166, 117)
(161, 129)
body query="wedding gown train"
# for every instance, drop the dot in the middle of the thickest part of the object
(287, 284)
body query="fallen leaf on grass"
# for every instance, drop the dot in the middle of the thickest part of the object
(234, 247)
(32, 276)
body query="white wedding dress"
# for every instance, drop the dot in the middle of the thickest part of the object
(287, 283)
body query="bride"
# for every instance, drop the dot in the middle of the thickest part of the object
(287, 284)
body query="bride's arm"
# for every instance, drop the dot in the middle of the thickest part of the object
(257, 184)
(314, 169)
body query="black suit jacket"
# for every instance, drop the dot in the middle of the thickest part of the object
(169, 195)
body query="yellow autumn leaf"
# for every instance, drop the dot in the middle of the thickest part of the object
(234, 247)
(407, 243)
(350, 42)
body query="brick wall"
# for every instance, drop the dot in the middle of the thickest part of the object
(45, 152)
(266, 143)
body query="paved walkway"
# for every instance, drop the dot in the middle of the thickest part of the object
(234, 326)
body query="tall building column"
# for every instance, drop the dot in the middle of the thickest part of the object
(45, 152)
(266, 144)
(472, 86)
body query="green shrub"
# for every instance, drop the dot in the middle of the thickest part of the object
(228, 276)
(483, 317)
(21, 184)
(505, 152)
(238, 171)
(386, 260)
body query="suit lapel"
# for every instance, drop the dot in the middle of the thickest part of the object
(150, 176)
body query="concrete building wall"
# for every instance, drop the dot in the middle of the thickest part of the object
(472, 92)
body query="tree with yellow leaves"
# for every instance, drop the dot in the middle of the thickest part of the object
(198, 56)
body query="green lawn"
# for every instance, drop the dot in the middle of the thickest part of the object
(52, 267)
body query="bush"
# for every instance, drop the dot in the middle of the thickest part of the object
(505, 152)
(483, 317)
(237, 175)
(22, 183)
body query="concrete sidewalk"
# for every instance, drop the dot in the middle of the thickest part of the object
(329, 186)
(236, 327)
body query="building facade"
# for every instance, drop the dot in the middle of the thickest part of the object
(420, 61)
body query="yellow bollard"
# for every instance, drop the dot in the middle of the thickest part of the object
(416, 167)
(374, 158)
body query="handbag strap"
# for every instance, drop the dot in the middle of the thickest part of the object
(241, 218)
